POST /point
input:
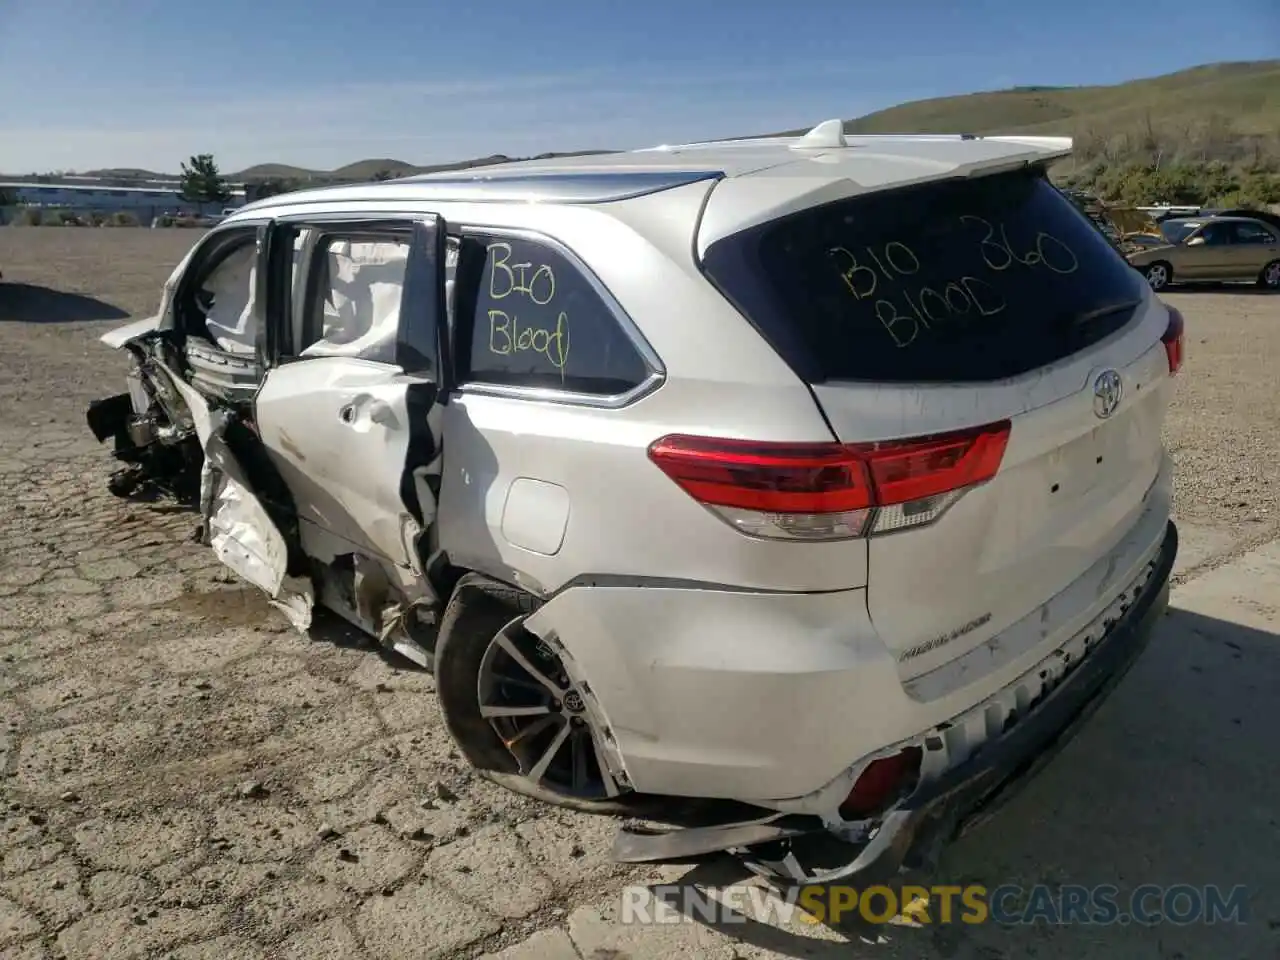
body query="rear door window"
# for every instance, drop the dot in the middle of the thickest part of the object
(963, 280)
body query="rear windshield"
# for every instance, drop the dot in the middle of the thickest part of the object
(965, 280)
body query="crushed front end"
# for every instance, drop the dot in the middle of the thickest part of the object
(151, 429)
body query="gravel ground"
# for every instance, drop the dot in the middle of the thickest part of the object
(1224, 425)
(181, 776)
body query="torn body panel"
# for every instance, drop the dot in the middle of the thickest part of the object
(150, 426)
(352, 552)
(352, 441)
(393, 604)
(171, 433)
(123, 335)
(325, 470)
(337, 430)
(237, 526)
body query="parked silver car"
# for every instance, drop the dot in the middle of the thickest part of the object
(816, 481)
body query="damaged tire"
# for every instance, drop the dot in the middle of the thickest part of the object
(510, 706)
(123, 483)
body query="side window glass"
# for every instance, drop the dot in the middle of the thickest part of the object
(355, 307)
(1216, 234)
(539, 322)
(225, 298)
(1252, 233)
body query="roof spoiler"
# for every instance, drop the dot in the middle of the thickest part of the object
(1051, 147)
(830, 135)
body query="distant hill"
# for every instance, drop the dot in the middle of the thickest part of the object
(366, 169)
(1247, 95)
(1226, 114)
(369, 169)
(360, 170)
(1209, 132)
(276, 171)
(127, 173)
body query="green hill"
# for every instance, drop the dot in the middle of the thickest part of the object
(1210, 134)
(1218, 111)
(1246, 95)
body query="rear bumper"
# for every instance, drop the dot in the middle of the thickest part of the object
(709, 692)
(911, 836)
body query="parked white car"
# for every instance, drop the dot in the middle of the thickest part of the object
(814, 483)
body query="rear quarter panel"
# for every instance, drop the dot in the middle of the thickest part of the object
(625, 517)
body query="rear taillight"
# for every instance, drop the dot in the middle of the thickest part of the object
(882, 781)
(1175, 341)
(831, 491)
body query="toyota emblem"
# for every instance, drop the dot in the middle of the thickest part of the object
(1107, 390)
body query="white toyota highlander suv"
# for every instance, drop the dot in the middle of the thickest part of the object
(803, 493)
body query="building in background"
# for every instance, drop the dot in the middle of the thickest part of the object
(144, 199)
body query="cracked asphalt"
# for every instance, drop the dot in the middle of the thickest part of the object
(183, 775)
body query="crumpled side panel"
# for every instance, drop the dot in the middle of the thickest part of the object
(238, 527)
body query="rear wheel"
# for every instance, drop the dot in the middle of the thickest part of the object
(512, 707)
(1159, 275)
(1269, 278)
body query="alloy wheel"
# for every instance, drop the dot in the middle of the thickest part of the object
(544, 720)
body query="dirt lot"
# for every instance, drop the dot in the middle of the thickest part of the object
(181, 775)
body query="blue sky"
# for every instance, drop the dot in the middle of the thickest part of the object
(92, 83)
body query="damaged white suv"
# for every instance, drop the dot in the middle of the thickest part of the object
(803, 493)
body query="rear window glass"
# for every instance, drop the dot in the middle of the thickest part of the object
(957, 280)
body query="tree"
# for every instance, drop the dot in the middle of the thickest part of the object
(1087, 143)
(8, 198)
(269, 188)
(202, 183)
(1216, 138)
(383, 175)
(1150, 142)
